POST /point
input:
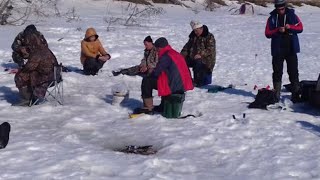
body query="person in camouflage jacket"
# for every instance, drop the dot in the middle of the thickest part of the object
(19, 47)
(148, 63)
(34, 77)
(200, 53)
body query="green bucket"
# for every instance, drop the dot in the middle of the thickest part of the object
(173, 105)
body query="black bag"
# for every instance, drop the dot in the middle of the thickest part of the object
(4, 134)
(264, 98)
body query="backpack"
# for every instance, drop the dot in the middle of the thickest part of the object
(264, 98)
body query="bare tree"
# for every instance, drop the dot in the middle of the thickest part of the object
(134, 13)
(17, 12)
(110, 19)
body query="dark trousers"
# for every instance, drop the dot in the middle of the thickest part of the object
(292, 68)
(92, 66)
(201, 74)
(147, 85)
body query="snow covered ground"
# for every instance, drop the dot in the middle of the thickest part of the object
(77, 140)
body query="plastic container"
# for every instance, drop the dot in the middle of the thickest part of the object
(120, 92)
(173, 105)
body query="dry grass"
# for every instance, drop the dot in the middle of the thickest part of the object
(222, 2)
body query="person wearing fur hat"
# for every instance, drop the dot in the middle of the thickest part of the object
(282, 27)
(170, 76)
(148, 63)
(18, 46)
(200, 53)
(93, 55)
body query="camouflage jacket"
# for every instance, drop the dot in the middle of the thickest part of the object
(40, 65)
(205, 45)
(19, 41)
(150, 58)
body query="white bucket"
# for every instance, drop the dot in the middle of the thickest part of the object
(119, 93)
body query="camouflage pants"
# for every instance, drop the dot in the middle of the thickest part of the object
(24, 80)
(132, 71)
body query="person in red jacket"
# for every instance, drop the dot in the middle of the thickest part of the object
(282, 27)
(170, 76)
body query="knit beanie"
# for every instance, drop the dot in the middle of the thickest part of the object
(161, 43)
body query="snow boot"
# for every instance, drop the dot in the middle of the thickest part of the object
(147, 107)
(295, 96)
(25, 94)
(116, 73)
(4, 134)
(277, 89)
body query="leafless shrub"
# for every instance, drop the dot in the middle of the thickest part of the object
(210, 5)
(109, 19)
(131, 14)
(134, 14)
(72, 15)
(17, 12)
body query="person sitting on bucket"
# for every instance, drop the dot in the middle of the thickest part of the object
(200, 53)
(93, 55)
(148, 63)
(170, 76)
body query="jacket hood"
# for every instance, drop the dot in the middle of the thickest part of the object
(164, 50)
(90, 32)
(204, 33)
(33, 42)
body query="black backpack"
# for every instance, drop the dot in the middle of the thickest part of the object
(4, 134)
(264, 98)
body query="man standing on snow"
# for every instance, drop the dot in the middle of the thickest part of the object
(200, 53)
(282, 27)
(170, 76)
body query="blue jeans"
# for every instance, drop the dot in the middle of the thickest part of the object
(201, 74)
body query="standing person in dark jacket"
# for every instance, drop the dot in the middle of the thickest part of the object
(19, 45)
(148, 63)
(170, 76)
(200, 53)
(282, 27)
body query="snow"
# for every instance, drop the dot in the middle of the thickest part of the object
(78, 140)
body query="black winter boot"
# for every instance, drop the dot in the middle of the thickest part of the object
(277, 89)
(296, 93)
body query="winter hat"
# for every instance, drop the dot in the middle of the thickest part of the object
(161, 43)
(279, 3)
(148, 39)
(195, 24)
(30, 29)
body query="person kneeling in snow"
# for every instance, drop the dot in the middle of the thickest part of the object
(34, 77)
(170, 76)
(200, 53)
(93, 55)
(148, 63)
